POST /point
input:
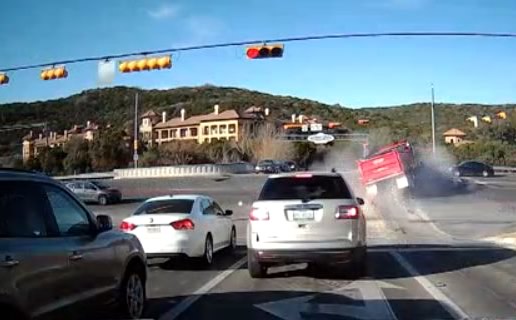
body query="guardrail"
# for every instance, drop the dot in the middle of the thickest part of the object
(183, 171)
(88, 176)
(505, 169)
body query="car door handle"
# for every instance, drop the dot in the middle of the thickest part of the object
(9, 263)
(75, 256)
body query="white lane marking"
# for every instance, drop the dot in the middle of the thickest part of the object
(434, 249)
(455, 311)
(177, 310)
(370, 292)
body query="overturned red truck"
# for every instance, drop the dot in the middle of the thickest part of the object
(391, 166)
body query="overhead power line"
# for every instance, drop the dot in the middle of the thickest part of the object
(250, 42)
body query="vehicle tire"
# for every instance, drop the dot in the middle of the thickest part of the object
(132, 297)
(207, 257)
(103, 200)
(255, 268)
(232, 240)
(485, 174)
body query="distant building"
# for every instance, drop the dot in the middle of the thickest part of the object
(226, 125)
(33, 144)
(147, 126)
(454, 136)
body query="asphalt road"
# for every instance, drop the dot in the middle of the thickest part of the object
(426, 259)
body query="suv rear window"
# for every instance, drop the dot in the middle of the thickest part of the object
(166, 206)
(314, 187)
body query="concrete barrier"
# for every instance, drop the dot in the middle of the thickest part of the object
(184, 171)
(504, 169)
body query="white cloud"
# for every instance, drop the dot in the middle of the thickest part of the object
(204, 27)
(164, 11)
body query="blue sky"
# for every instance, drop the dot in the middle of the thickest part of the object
(354, 72)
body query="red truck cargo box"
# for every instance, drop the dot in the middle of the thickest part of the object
(381, 167)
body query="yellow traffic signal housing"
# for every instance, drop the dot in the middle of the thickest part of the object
(265, 51)
(54, 73)
(153, 63)
(4, 79)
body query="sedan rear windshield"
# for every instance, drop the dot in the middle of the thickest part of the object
(305, 188)
(166, 206)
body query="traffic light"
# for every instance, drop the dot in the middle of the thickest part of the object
(153, 63)
(4, 79)
(54, 73)
(265, 51)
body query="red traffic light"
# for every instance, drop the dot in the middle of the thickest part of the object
(252, 53)
(265, 51)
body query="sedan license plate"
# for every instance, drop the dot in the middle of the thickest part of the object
(153, 229)
(302, 214)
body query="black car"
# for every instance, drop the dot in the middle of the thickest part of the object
(473, 169)
(268, 166)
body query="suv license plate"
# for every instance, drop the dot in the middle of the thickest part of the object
(153, 229)
(303, 215)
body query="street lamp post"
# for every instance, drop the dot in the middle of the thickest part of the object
(135, 143)
(433, 122)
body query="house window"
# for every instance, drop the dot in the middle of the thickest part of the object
(214, 129)
(173, 133)
(164, 134)
(223, 129)
(193, 132)
(206, 130)
(182, 133)
(232, 128)
(145, 122)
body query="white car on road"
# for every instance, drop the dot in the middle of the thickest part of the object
(194, 226)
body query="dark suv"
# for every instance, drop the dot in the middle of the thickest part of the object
(57, 257)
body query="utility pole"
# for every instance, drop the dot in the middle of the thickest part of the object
(135, 143)
(433, 121)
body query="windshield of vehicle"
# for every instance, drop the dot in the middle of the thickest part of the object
(315, 187)
(100, 185)
(183, 206)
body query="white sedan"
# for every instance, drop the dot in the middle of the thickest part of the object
(194, 226)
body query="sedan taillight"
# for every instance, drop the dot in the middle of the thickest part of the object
(258, 214)
(127, 226)
(347, 212)
(185, 224)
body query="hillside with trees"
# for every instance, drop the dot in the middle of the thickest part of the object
(114, 106)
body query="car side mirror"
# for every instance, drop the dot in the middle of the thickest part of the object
(360, 201)
(104, 223)
(228, 212)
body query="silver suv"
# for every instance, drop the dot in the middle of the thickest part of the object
(306, 217)
(57, 257)
(95, 191)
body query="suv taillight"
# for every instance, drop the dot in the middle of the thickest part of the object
(347, 212)
(258, 214)
(127, 226)
(185, 224)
